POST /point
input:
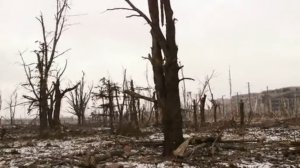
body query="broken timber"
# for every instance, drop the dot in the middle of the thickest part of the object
(139, 96)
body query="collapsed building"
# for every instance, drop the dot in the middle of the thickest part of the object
(283, 101)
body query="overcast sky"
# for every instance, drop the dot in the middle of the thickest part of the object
(258, 39)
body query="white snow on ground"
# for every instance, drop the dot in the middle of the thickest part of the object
(246, 164)
(166, 164)
(270, 135)
(157, 137)
(66, 148)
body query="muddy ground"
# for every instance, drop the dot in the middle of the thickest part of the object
(264, 144)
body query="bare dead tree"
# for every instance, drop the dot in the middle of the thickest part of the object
(195, 115)
(242, 112)
(106, 93)
(110, 105)
(12, 105)
(214, 103)
(78, 100)
(165, 67)
(202, 110)
(202, 98)
(38, 73)
(133, 109)
(121, 106)
(59, 94)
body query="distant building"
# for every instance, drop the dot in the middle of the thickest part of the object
(283, 100)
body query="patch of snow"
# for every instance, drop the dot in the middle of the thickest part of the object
(167, 164)
(246, 164)
(187, 135)
(272, 138)
(157, 137)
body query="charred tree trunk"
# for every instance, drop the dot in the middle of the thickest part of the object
(120, 108)
(57, 105)
(110, 106)
(43, 106)
(242, 113)
(155, 107)
(83, 120)
(202, 110)
(215, 108)
(55, 122)
(50, 118)
(133, 109)
(79, 120)
(166, 74)
(195, 115)
(165, 70)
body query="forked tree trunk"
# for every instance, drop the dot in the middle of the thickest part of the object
(166, 75)
(165, 70)
(55, 122)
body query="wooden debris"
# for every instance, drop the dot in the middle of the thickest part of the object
(180, 151)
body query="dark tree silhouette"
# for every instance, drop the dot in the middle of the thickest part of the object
(58, 96)
(164, 62)
(39, 73)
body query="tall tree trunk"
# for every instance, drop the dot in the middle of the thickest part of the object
(50, 118)
(111, 107)
(242, 112)
(165, 70)
(56, 120)
(215, 108)
(195, 115)
(57, 105)
(43, 109)
(82, 119)
(133, 109)
(155, 107)
(166, 75)
(202, 110)
(79, 120)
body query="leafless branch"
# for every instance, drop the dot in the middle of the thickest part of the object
(186, 79)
